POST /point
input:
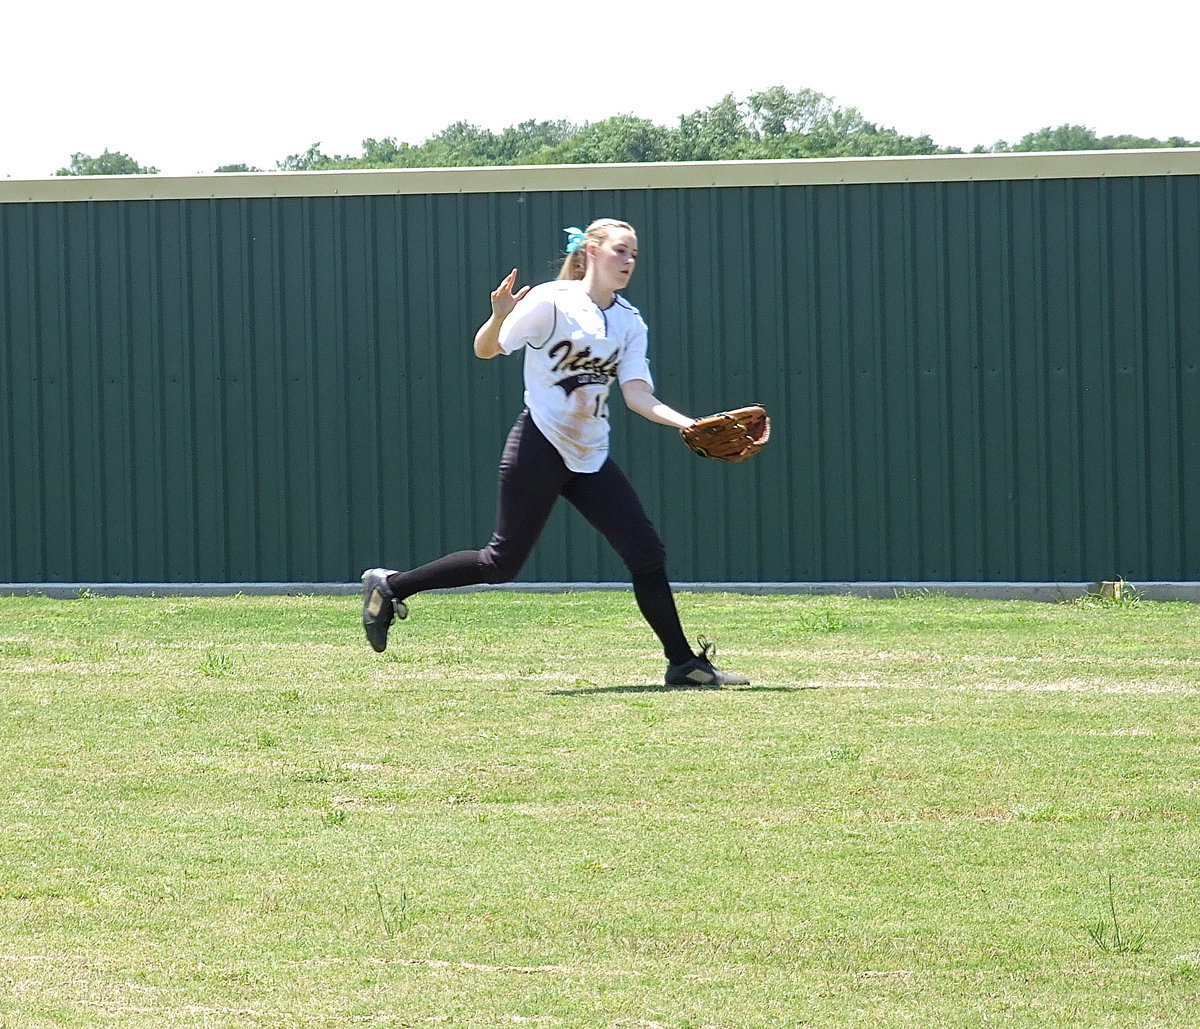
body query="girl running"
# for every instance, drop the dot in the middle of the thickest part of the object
(579, 335)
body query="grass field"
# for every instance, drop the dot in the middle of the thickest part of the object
(925, 812)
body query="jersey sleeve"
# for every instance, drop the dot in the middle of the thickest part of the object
(530, 323)
(635, 364)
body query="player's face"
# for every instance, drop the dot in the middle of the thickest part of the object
(614, 259)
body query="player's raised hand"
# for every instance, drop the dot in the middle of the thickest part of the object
(503, 297)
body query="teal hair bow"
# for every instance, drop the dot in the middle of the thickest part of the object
(574, 238)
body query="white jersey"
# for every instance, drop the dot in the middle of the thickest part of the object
(573, 352)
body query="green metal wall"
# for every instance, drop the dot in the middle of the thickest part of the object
(977, 379)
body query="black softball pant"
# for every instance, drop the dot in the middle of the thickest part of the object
(532, 478)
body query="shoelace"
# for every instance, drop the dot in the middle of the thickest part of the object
(708, 649)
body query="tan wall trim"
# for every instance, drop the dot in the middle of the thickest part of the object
(543, 178)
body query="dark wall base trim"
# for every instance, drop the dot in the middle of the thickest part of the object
(1043, 591)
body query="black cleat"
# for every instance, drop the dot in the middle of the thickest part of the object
(380, 607)
(700, 671)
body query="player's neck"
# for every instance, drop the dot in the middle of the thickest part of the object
(600, 296)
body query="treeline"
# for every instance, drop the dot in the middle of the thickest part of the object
(776, 123)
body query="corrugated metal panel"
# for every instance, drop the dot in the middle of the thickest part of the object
(973, 379)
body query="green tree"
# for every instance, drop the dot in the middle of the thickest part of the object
(778, 123)
(313, 160)
(1064, 137)
(623, 139)
(778, 111)
(846, 133)
(462, 145)
(1079, 137)
(108, 163)
(524, 143)
(719, 133)
(383, 153)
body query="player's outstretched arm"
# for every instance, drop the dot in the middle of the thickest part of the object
(640, 398)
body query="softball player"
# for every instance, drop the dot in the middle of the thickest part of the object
(579, 335)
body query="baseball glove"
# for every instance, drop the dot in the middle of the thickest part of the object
(729, 435)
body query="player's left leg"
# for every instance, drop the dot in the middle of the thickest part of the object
(609, 502)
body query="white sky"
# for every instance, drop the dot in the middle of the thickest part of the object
(189, 88)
